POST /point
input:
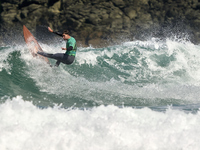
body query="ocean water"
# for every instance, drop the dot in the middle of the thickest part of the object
(141, 95)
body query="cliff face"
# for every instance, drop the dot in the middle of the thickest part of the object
(97, 21)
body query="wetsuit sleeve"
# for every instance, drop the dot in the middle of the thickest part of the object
(58, 33)
(70, 48)
(70, 44)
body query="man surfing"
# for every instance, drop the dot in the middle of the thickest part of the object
(67, 57)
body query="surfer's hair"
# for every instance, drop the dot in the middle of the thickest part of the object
(66, 32)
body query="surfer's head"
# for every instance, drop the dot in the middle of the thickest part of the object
(65, 34)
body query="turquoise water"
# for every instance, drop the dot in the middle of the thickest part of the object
(126, 96)
(149, 73)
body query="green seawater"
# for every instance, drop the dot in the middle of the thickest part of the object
(153, 73)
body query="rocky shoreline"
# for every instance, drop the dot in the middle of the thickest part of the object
(101, 22)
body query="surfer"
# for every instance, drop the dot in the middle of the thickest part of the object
(67, 57)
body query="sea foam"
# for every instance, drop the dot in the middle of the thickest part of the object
(24, 126)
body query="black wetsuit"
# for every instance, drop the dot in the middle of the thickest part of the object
(66, 58)
(60, 57)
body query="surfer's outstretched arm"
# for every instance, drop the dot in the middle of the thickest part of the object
(58, 33)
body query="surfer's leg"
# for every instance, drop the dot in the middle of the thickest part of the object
(57, 56)
(57, 63)
(45, 54)
(60, 57)
(68, 59)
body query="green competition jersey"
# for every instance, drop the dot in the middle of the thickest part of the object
(71, 42)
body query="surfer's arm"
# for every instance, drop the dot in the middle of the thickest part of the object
(58, 33)
(67, 49)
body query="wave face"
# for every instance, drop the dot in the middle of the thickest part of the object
(136, 95)
(149, 73)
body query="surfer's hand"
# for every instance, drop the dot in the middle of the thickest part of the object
(50, 30)
(64, 48)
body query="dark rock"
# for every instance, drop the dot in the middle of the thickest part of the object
(130, 12)
(95, 21)
(119, 3)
